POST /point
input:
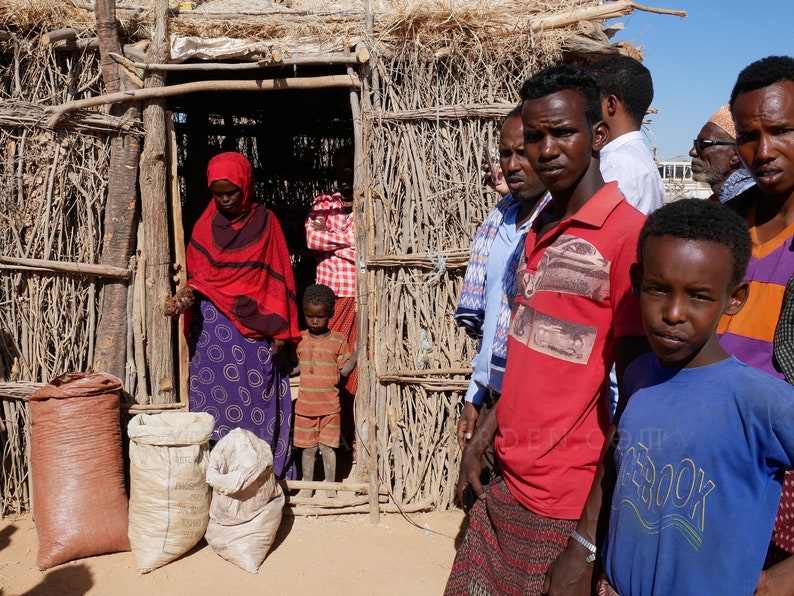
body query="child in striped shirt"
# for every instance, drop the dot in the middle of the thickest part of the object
(324, 358)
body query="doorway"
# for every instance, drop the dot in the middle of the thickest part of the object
(289, 136)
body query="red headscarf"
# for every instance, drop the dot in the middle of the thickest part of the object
(241, 262)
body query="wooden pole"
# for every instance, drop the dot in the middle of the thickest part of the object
(89, 269)
(362, 298)
(611, 10)
(360, 57)
(352, 487)
(178, 230)
(120, 221)
(59, 35)
(154, 221)
(424, 372)
(323, 82)
(384, 507)
(475, 111)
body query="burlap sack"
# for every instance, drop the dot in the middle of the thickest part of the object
(77, 468)
(247, 501)
(169, 497)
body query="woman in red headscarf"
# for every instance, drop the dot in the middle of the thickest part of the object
(240, 298)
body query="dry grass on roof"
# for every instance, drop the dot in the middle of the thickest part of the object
(23, 16)
(486, 21)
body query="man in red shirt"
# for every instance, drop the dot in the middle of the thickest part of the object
(574, 316)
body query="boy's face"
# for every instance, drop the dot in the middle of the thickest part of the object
(558, 141)
(343, 175)
(684, 288)
(317, 317)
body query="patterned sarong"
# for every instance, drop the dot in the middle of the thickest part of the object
(507, 548)
(345, 322)
(782, 544)
(605, 588)
(239, 381)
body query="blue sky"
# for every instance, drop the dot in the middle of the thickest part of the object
(694, 60)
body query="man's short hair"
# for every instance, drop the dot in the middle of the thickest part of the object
(562, 77)
(516, 111)
(319, 295)
(629, 81)
(703, 220)
(763, 73)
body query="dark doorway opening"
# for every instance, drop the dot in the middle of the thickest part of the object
(289, 136)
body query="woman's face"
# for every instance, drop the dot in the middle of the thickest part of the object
(228, 197)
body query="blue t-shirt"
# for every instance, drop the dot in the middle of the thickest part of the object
(699, 462)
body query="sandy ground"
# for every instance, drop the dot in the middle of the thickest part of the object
(342, 554)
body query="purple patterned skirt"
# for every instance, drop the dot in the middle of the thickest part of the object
(241, 383)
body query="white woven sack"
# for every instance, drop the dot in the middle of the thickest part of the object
(169, 497)
(247, 501)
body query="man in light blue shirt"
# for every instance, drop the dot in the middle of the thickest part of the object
(484, 306)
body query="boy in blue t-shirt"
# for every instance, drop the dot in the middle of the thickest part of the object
(703, 440)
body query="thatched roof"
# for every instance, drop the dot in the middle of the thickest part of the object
(387, 25)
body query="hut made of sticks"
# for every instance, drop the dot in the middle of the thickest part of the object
(109, 113)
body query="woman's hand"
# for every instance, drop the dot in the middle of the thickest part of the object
(276, 345)
(179, 302)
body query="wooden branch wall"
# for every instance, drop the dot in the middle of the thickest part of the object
(51, 211)
(421, 120)
(424, 136)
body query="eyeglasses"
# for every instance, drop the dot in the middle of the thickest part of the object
(701, 144)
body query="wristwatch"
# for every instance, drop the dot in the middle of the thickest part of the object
(587, 544)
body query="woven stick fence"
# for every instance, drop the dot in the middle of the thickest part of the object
(426, 198)
(53, 187)
(51, 206)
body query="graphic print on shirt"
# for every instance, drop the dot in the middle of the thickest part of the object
(554, 337)
(572, 266)
(663, 496)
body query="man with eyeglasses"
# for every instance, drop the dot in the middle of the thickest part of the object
(716, 162)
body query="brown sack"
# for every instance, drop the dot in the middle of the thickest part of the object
(77, 468)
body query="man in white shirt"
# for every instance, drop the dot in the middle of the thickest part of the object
(626, 94)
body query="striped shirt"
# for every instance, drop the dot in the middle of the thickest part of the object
(321, 359)
(749, 334)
